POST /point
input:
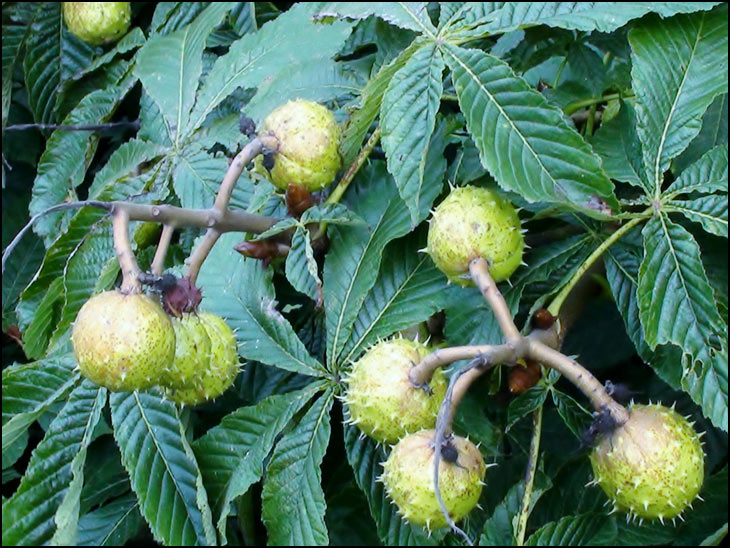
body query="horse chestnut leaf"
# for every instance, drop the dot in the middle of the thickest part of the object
(97, 23)
(123, 342)
(408, 479)
(475, 222)
(308, 139)
(380, 397)
(652, 466)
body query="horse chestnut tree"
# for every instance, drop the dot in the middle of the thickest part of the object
(299, 273)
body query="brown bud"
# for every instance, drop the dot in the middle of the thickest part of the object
(298, 199)
(542, 319)
(524, 377)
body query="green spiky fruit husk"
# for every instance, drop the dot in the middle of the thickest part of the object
(215, 370)
(408, 480)
(380, 398)
(653, 465)
(97, 23)
(309, 138)
(192, 351)
(123, 342)
(475, 222)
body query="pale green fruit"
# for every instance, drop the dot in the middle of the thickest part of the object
(408, 479)
(123, 342)
(216, 370)
(381, 400)
(97, 22)
(475, 222)
(192, 352)
(308, 139)
(653, 465)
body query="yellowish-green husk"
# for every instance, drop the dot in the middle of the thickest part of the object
(123, 342)
(652, 466)
(408, 480)
(381, 400)
(475, 222)
(97, 23)
(308, 138)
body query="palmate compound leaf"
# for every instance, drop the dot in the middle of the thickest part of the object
(679, 66)
(112, 524)
(169, 66)
(406, 15)
(676, 302)
(524, 142)
(408, 290)
(585, 16)
(707, 174)
(352, 266)
(708, 386)
(162, 468)
(408, 118)
(293, 505)
(677, 305)
(282, 43)
(30, 389)
(232, 454)
(46, 504)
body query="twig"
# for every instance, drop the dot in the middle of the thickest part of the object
(529, 476)
(60, 207)
(220, 207)
(579, 376)
(91, 127)
(557, 302)
(349, 175)
(125, 255)
(479, 270)
(158, 262)
(443, 432)
(421, 374)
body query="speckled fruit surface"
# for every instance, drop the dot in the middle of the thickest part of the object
(475, 222)
(653, 465)
(216, 370)
(97, 22)
(123, 342)
(308, 138)
(408, 480)
(380, 398)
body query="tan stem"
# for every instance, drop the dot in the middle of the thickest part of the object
(220, 207)
(421, 374)
(158, 262)
(579, 376)
(479, 270)
(125, 255)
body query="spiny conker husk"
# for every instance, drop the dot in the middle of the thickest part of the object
(408, 479)
(123, 342)
(211, 371)
(475, 222)
(653, 465)
(97, 23)
(380, 398)
(307, 152)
